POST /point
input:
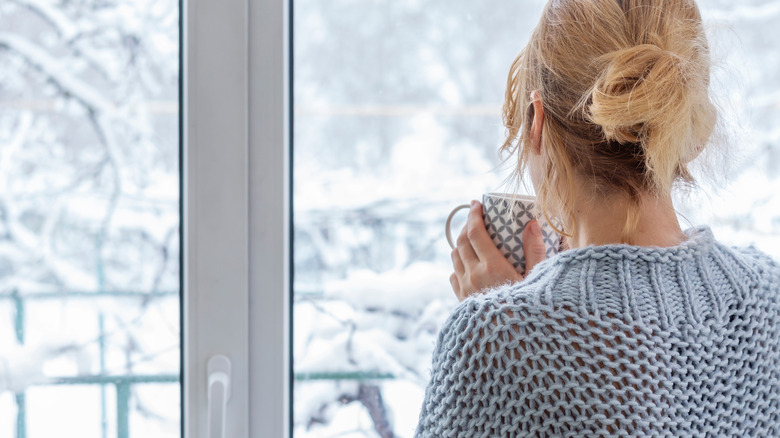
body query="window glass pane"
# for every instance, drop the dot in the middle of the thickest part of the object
(89, 218)
(397, 121)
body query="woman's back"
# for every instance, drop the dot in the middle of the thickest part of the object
(616, 340)
(641, 329)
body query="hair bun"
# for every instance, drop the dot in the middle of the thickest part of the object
(646, 95)
(641, 86)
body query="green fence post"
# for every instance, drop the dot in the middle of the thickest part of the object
(102, 345)
(21, 404)
(19, 316)
(101, 279)
(122, 409)
(21, 421)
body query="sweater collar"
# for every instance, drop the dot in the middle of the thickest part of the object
(679, 286)
(700, 239)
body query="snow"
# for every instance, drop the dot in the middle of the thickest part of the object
(350, 421)
(401, 393)
(49, 412)
(378, 167)
(312, 398)
(89, 203)
(763, 11)
(397, 122)
(8, 421)
(65, 27)
(405, 290)
(54, 69)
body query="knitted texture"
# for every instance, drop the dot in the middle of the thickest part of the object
(616, 340)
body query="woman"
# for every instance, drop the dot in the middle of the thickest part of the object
(640, 328)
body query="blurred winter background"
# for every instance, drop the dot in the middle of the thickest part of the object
(89, 247)
(397, 121)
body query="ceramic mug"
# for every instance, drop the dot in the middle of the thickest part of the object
(505, 217)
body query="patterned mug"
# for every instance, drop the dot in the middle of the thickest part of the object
(506, 216)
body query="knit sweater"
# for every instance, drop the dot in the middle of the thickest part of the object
(616, 340)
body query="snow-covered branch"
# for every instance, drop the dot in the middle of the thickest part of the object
(66, 29)
(57, 73)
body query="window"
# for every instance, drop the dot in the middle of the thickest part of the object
(397, 121)
(89, 200)
(392, 109)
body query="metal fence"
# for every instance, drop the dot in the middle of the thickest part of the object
(122, 383)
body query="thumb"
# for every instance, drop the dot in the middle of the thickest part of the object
(533, 245)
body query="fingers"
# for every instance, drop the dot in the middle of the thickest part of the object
(457, 263)
(533, 245)
(455, 286)
(477, 234)
(464, 248)
(479, 264)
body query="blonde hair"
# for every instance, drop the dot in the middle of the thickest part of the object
(625, 89)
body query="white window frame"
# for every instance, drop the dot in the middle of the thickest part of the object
(236, 211)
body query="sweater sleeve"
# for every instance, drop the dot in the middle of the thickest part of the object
(474, 368)
(515, 369)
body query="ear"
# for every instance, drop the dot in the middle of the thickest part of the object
(538, 122)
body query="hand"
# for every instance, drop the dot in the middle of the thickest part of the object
(478, 262)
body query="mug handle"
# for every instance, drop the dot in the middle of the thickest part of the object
(449, 222)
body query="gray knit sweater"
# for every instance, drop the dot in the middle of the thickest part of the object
(616, 340)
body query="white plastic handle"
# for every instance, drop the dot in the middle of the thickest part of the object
(218, 394)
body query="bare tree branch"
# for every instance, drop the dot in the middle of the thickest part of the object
(370, 396)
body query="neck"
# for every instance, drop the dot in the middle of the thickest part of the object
(601, 221)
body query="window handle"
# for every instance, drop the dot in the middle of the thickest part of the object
(218, 394)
